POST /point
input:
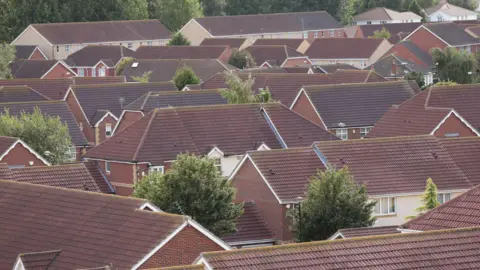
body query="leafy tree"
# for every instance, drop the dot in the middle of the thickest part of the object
(174, 14)
(445, 83)
(178, 39)
(145, 78)
(239, 7)
(126, 61)
(47, 135)
(453, 65)
(468, 4)
(241, 59)
(429, 198)
(184, 76)
(415, 8)
(381, 34)
(213, 7)
(7, 55)
(418, 77)
(195, 187)
(240, 92)
(427, 3)
(333, 201)
(348, 9)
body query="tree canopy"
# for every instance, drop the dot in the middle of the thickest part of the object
(452, 65)
(7, 54)
(240, 91)
(178, 39)
(429, 198)
(174, 14)
(418, 77)
(381, 34)
(122, 64)
(185, 76)
(195, 187)
(241, 59)
(144, 78)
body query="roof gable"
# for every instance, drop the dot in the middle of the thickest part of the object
(385, 14)
(54, 89)
(31, 68)
(275, 55)
(451, 33)
(89, 56)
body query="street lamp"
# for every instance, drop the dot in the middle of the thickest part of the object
(299, 201)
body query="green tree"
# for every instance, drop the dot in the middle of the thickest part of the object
(418, 77)
(429, 198)
(427, 3)
(415, 8)
(47, 135)
(348, 9)
(445, 83)
(174, 14)
(333, 201)
(453, 65)
(240, 7)
(240, 92)
(178, 39)
(145, 78)
(195, 187)
(213, 7)
(381, 34)
(126, 61)
(468, 4)
(241, 59)
(7, 55)
(184, 76)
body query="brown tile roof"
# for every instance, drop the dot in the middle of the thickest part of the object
(55, 89)
(367, 231)
(268, 23)
(301, 70)
(18, 93)
(90, 55)
(393, 28)
(103, 31)
(152, 100)
(423, 56)
(449, 249)
(275, 55)
(464, 152)
(293, 43)
(38, 260)
(22, 68)
(396, 67)
(164, 69)
(449, 9)
(344, 48)
(113, 97)
(98, 176)
(451, 33)
(382, 13)
(24, 51)
(180, 52)
(98, 80)
(355, 76)
(251, 227)
(332, 68)
(358, 104)
(234, 129)
(111, 228)
(181, 267)
(231, 42)
(6, 143)
(397, 165)
(51, 108)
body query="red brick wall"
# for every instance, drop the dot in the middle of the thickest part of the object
(338, 33)
(426, 40)
(305, 108)
(353, 133)
(401, 51)
(59, 71)
(182, 249)
(119, 172)
(20, 155)
(225, 55)
(296, 62)
(128, 118)
(454, 125)
(358, 32)
(100, 130)
(37, 55)
(88, 130)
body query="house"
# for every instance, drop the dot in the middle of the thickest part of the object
(164, 69)
(220, 132)
(412, 53)
(221, 53)
(298, 44)
(444, 11)
(98, 80)
(443, 111)
(59, 40)
(358, 52)
(306, 25)
(96, 107)
(277, 56)
(277, 180)
(53, 108)
(16, 153)
(41, 69)
(397, 30)
(19, 93)
(29, 52)
(382, 15)
(332, 68)
(123, 233)
(364, 232)
(238, 43)
(442, 35)
(402, 251)
(355, 76)
(351, 110)
(95, 60)
(393, 67)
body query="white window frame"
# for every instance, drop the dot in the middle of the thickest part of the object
(381, 206)
(342, 133)
(101, 72)
(218, 163)
(130, 45)
(332, 33)
(159, 169)
(364, 131)
(81, 72)
(108, 128)
(305, 35)
(107, 167)
(67, 48)
(315, 34)
(149, 43)
(442, 197)
(94, 72)
(72, 154)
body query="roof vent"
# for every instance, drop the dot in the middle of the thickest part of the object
(343, 161)
(134, 64)
(435, 155)
(271, 171)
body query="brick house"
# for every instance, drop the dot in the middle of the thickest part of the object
(234, 43)
(16, 153)
(59, 40)
(220, 132)
(442, 111)
(221, 53)
(277, 56)
(382, 15)
(409, 51)
(306, 25)
(358, 52)
(97, 61)
(444, 11)
(397, 30)
(351, 110)
(29, 52)
(123, 233)
(298, 44)
(42, 69)
(394, 67)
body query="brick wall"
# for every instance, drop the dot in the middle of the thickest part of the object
(87, 130)
(59, 71)
(20, 155)
(454, 125)
(100, 134)
(305, 108)
(37, 55)
(426, 40)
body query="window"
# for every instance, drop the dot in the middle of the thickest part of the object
(129, 45)
(443, 197)
(369, 22)
(149, 43)
(339, 33)
(58, 48)
(315, 34)
(81, 72)
(342, 133)
(385, 206)
(108, 130)
(67, 48)
(107, 167)
(94, 72)
(72, 154)
(364, 132)
(332, 33)
(305, 35)
(80, 125)
(159, 169)
(290, 34)
(323, 34)
(218, 163)
(101, 72)
(383, 22)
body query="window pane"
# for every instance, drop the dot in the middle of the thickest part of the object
(384, 205)
(447, 197)
(391, 209)
(377, 206)
(440, 198)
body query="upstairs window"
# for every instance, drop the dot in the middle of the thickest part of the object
(67, 48)
(108, 130)
(444, 197)
(101, 72)
(159, 169)
(332, 33)
(149, 43)
(218, 163)
(385, 206)
(107, 167)
(315, 34)
(305, 35)
(81, 72)
(342, 133)
(129, 45)
(364, 132)
(94, 72)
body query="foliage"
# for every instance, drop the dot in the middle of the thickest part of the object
(427, 3)
(178, 39)
(240, 92)
(381, 34)
(7, 55)
(429, 198)
(174, 14)
(126, 61)
(445, 83)
(47, 135)
(184, 76)
(239, 7)
(333, 201)
(415, 8)
(193, 186)
(145, 78)
(468, 4)
(453, 65)
(241, 59)
(213, 7)
(418, 77)
(348, 9)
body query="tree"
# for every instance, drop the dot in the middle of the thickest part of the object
(415, 8)
(178, 39)
(7, 55)
(468, 4)
(195, 187)
(427, 3)
(240, 92)
(418, 77)
(184, 76)
(241, 59)
(348, 9)
(145, 78)
(333, 201)
(240, 7)
(213, 7)
(126, 61)
(445, 83)
(429, 198)
(176, 13)
(453, 65)
(47, 135)
(381, 34)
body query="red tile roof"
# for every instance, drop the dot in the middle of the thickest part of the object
(232, 42)
(449, 249)
(180, 52)
(38, 260)
(98, 176)
(355, 76)
(343, 48)
(464, 152)
(98, 80)
(91, 55)
(293, 43)
(274, 55)
(54, 89)
(6, 143)
(366, 231)
(18, 93)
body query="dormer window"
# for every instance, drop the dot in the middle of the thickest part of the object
(108, 130)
